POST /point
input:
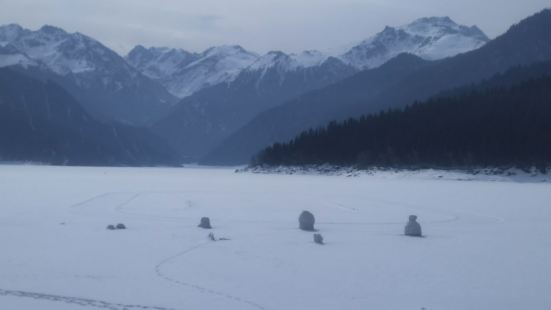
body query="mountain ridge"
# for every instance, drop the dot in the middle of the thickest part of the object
(104, 83)
(424, 34)
(527, 42)
(41, 122)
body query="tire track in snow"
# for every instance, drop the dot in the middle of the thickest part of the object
(83, 302)
(94, 198)
(158, 268)
(494, 219)
(204, 290)
(451, 217)
(120, 206)
(189, 204)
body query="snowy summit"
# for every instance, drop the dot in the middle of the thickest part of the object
(430, 38)
(184, 73)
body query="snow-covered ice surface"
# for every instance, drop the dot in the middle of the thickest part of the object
(487, 243)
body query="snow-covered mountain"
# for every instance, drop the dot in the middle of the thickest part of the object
(430, 38)
(160, 62)
(184, 73)
(398, 83)
(211, 113)
(62, 52)
(102, 80)
(288, 62)
(11, 56)
(222, 87)
(202, 120)
(40, 121)
(10, 33)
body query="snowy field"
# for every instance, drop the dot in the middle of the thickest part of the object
(487, 244)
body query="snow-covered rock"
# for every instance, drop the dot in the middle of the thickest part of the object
(205, 223)
(413, 228)
(430, 38)
(490, 241)
(306, 221)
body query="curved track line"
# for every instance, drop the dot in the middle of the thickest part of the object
(415, 206)
(204, 290)
(450, 217)
(158, 268)
(96, 197)
(83, 302)
(120, 206)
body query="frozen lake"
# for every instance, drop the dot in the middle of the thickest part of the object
(487, 245)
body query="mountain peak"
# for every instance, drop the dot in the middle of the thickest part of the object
(269, 60)
(52, 30)
(138, 48)
(435, 20)
(183, 73)
(11, 27)
(286, 62)
(429, 38)
(10, 32)
(441, 26)
(226, 50)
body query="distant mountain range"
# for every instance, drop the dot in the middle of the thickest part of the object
(397, 83)
(503, 122)
(201, 121)
(223, 105)
(183, 73)
(41, 122)
(247, 87)
(101, 80)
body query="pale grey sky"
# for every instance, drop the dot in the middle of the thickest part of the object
(258, 25)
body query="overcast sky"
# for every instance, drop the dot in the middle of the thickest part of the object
(258, 25)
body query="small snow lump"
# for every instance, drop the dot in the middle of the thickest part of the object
(205, 223)
(318, 238)
(306, 221)
(413, 228)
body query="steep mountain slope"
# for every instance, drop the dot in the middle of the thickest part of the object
(160, 62)
(430, 38)
(525, 43)
(11, 56)
(500, 123)
(184, 73)
(41, 122)
(201, 121)
(204, 119)
(103, 82)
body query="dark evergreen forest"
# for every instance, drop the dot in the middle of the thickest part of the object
(501, 123)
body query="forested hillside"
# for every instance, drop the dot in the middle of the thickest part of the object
(41, 122)
(488, 125)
